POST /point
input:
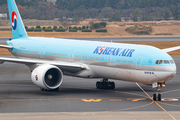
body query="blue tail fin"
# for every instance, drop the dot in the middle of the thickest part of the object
(17, 26)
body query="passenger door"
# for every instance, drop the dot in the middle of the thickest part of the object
(139, 62)
(42, 53)
(71, 56)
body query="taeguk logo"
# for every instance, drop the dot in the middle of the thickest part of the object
(14, 19)
(36, 77)
(101, 49)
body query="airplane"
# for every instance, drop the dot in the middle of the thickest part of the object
(49, 59)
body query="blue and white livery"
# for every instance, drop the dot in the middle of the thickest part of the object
(49, 59)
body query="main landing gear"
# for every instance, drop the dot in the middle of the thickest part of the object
(105, 84)
(157, 96)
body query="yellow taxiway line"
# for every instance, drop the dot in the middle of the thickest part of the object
(155, 101)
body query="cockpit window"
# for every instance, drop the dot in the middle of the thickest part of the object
(161, 62)
(172, 61)
(164, 62)
(157, 61)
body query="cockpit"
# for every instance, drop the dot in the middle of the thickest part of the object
(158, 62)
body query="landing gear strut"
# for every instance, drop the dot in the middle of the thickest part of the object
(105, 84)
(158, 95)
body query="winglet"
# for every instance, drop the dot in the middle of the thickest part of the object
(17, 26)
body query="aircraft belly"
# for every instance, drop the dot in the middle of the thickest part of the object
(140, 76)
(123, 74)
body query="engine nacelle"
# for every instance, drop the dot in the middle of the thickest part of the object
(47, 76)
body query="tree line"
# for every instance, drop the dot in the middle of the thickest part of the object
(114, 4)
(71, 29)
(145, 10)
(98, 4)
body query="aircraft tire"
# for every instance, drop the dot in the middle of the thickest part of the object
(154, 97)
(112, 85)
(105, 85)
(98, 85)
(101, 85)
(159, 97)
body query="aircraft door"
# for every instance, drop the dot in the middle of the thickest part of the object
(139, 62)
(42, 53)
(71, 56)
(109, 60)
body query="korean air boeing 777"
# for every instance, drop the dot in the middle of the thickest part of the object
(49, 59)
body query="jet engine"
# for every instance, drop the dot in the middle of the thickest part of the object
(47, 77)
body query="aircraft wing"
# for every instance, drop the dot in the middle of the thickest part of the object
(171, 49)
(5, 46)
(66, 66)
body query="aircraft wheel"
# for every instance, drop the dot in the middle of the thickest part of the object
(154, 97)
(101, 85)
(112, 85)
(159, 97)
(98, 85)
(105, 85)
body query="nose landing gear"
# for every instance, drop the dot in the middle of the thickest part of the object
(158, 95)
(105, 84)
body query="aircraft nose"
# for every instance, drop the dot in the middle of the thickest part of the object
(171, 69)
(170, 72)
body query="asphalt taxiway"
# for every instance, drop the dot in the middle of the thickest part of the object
(121, 39)
(79, 98)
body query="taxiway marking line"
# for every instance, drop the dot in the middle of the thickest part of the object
(165, 110)
(170, 91)
(135, 100)
(91, 100)
(131, 108)
(155, 101)
(160, 106)
(113, 100)
(170, 104)
(144, 91)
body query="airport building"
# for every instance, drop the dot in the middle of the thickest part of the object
(3, 16)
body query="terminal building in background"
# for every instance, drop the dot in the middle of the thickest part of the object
(3, 16)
